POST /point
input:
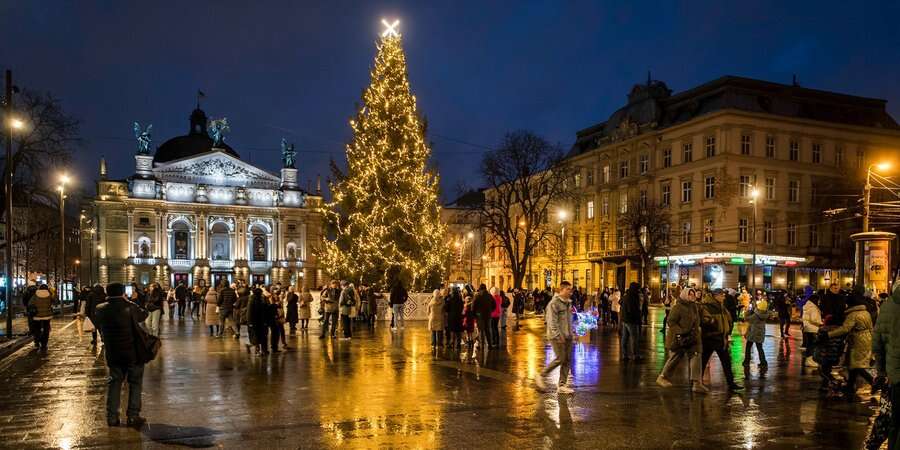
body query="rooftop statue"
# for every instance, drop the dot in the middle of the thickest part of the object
(217, 129)
(288, 154)
(143, 138)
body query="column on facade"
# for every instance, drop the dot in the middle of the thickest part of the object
(157, 236)
(270, 238)
(240, 244)
(201, 236)
(301, 247)
(130, 251)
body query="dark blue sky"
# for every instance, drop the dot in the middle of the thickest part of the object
(479, 69)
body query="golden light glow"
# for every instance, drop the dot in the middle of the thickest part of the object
(385, 211)
(64, 179)
(16, 124)
(390, 28)
(562, 214)
(470, 235)
(754, 193)
(883, 166)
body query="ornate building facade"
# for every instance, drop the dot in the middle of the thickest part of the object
(698, 156)
(194, 212)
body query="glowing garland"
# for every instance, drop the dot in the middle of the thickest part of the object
(385, 212)
(585, 322)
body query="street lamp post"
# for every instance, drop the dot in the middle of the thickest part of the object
(562, 215)
(470, 236)
(61, 281)
(12, 124)
(754, 196)
(867, 190)
(91, 262)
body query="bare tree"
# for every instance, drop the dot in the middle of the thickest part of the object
(525, 176)
(44, 147)
(648, 227)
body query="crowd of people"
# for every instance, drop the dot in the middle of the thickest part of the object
(846, 333)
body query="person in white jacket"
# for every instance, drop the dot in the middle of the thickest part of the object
(812, 320)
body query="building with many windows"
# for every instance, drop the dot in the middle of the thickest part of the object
(194, 212)
(699, 156)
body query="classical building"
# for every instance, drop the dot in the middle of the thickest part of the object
(465, 240)
(194, 212)
(698, 156)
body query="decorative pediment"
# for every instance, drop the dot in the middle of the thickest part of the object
(216, 169)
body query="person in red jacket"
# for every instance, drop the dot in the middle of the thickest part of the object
(495, 317)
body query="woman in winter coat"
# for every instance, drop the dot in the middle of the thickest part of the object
(212, 311)
(683, 341)
(454, 307)
(435, 311)
(812, 320)
(41, 314)
(257, 311)
(293, 313)
(858, 328)
(469, 320)
(756, 332)
(495, 317)
(303, 308)
(615, 304)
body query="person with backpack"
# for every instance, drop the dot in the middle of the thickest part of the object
(117, 320)
(41, 314)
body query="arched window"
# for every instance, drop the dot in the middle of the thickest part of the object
(291, 251)
(219, 242)
(143, 247)
(259, 244)
(181, 241)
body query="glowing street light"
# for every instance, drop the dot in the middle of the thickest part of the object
(867, 189)
(16, 124)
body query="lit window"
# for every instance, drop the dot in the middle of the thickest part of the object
(794, 191)
(770, 146)
(687, 153)
(685, 233)
(604, 206)
(707, 231)
(743, 230)
(746, 182)
(605, 174)
(710, 146)
(590, 209)
(623, 202)
(686, 191)
(745, 144)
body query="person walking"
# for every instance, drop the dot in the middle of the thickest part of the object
(117, 318)
(41, 313)
(470, 318)
(435, 311)
(857, 326)
(495, 317)
(153, 305)
(756, 316)
(181, 295)
(258, 329)
(454, 306)
(484, 305)
(783, 308)
(667, 305)
(518, 306)
(96, 297)
(833, 304)
(615, 305)
(240, 307)
(398, 300)
(504, 310)
(632, 317)
(212, 312)
(558, 315)
(812, 320)
(197, 296)
(886, 349)
(276, 305)
(303, 308)
(349, 300)
(715, 323)
(683, 341)
(330, 306)
(293, 310)
(227, 297)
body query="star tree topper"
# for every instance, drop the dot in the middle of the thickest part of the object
(390, 28)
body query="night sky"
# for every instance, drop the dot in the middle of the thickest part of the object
(478, 69)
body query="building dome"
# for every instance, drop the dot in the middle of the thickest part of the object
(196, 142)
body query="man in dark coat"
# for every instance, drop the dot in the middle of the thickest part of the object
(484, 305)
(833, 304)
(117, 319)
(631, 322)
(181, 294)
(94, 299)
(227, 298)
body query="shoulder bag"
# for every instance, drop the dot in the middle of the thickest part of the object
(146, 345)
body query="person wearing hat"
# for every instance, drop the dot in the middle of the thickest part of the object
(715, 326)
(858, 328)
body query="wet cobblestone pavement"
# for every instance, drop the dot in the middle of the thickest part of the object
(389, 390)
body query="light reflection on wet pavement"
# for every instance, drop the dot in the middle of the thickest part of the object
(389, 390)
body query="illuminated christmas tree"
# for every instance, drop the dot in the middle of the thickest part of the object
(385, 213)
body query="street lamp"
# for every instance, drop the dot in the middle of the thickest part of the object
(881, 167)
(523, 224)
(754, 196)
(14, 124)
(60, 282)
(562, 215)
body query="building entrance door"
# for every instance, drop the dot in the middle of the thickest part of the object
(620, 278)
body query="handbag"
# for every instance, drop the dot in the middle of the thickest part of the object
(146, 345)
(87, 325)
(685, 340)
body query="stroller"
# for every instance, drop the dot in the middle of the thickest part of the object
(828, 354)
